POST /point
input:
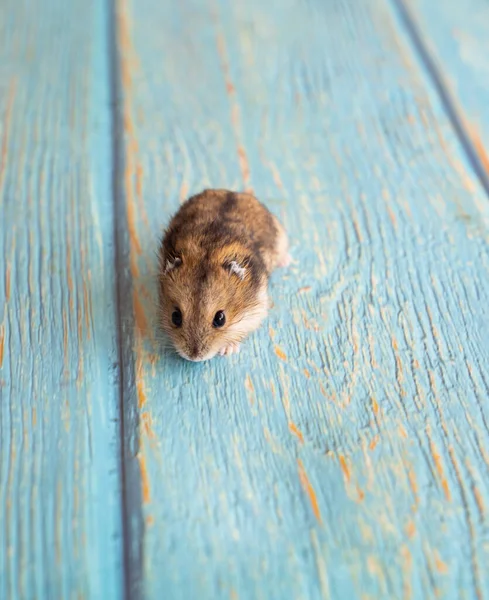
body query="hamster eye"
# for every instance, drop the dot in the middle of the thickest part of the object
(176, 317)
(219, 319)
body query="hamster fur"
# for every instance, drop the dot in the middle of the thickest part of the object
(215, 261)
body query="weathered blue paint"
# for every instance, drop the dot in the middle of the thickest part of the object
(344, 453)
(455, 42)
(60, 489)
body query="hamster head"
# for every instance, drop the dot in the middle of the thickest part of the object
(208, 303)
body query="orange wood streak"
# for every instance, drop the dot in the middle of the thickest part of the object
(374, 442)
(243, 161)
(145, 487)
(183, 191)
(344, 467)
(410, 529)
(296, 431)
(141, 393)
(375, 406)
(139, 180)
(133, 170)
(324, 392)
(479, 500)
(139, 314)
(439, 469)
(250, 389)
(244, 165)
(392, 217)
(276, 175)
(440, 565)
(280, 353)
(131, 216)
(414, 486)
(361, 494)
(306, 485)
(147, 423)
(402, 431)
(479, 148)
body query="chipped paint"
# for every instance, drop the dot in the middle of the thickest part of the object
(307, 487)
(296, 431)
(344, 468)
(243, 161)
(480, 148)
(140, 392)
(381, 315)
(439, 469)
(280, 353)
(59, 428)
(145, 487)
(375, 406)
(440, 564)
(147, 422)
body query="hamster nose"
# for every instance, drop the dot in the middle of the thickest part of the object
(194, 351)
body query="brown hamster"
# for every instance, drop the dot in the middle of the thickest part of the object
(215, 261)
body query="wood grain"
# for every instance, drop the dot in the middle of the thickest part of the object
(454, 42)
(343, 453)
(60, 518)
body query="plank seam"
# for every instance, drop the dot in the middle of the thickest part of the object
(447, 98)
(126, 368)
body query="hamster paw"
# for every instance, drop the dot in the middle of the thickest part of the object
(284, 261)
(229, 349)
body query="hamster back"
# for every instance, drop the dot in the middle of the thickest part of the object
(215, 260)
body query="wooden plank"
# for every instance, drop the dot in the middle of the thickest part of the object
(455, 44)
(343, 453)
(60, 517)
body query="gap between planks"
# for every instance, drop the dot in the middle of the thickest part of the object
(472, 146)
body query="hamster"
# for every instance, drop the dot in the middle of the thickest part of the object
(215, 260)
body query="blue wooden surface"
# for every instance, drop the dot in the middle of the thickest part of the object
(455, 42)
(345, 452)
(60, 515)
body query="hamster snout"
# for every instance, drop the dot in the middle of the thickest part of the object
(215, 261)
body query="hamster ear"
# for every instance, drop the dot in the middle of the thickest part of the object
(234, 267)
(172, 263)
